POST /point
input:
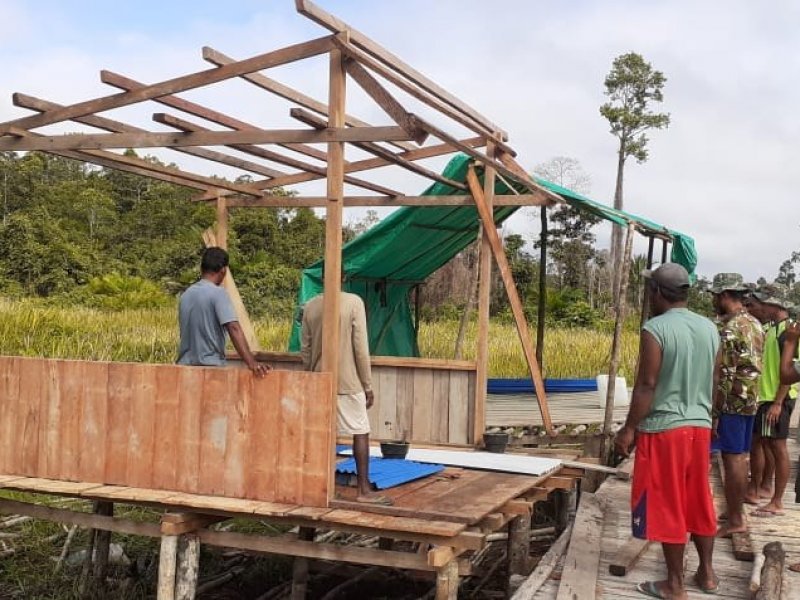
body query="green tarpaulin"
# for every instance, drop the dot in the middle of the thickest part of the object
(383, 264)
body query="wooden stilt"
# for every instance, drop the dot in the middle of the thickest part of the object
(167, 567)
(447, 581)
(519, 544)
(300, 567)
(102, 545)
(188, 567)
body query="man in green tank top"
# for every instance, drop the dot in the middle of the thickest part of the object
(775, 405)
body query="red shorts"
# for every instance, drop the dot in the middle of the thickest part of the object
(671, 495)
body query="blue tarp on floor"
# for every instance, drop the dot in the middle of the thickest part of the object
(389, 472)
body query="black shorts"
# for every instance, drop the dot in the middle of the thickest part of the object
(778, 431)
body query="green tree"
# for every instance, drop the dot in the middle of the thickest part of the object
(632, 86)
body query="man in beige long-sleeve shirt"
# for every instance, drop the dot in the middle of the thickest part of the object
(355, 377)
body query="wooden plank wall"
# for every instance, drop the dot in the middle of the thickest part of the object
(216, 431)
(431, 403)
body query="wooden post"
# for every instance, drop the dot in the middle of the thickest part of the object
(102, 545)
(504, 268)
(447, 581)
(300, 567)
(188, 567)
(772, 572)
(484, 303)
(646, 295)
(664, 245)
(222, 222)
(167, 567)
(622, 289)
(540, 313)
(519, 544)
(417, 308)
(333, 236)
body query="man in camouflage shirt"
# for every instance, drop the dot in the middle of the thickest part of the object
(736, 398)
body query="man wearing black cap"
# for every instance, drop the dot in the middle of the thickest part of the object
(670, 422)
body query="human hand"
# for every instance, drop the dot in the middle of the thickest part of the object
(259, 369)
(792, 331)
(370, 398)
(714, 428)
(623, 442)
(774, 413)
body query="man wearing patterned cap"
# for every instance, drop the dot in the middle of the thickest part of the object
(776, 401)
(736, 397)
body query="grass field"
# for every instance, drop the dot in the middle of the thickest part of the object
(28, 328)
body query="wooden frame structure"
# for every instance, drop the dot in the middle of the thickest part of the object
(278, 158)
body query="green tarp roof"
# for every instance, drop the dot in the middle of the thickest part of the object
(385, 262)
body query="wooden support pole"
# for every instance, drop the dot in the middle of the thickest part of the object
(222, 222)
(485, 212)
(447, 581)
(188, 567)
(772, 573)
(540, 313)
(664, 246)
(167, 567)
(484, 268)
(102, 544)
(333, 236)
(616, 343)
(300, 567)
(519, 544)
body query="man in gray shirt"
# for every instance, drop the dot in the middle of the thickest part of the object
(205, 314)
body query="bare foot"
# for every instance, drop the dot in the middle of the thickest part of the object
(708, 584)
(765, 493)
(772, 509)
(727, 531)
(752, 498)
(660, 589)
(373, 498)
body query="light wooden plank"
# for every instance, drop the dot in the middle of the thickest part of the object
(579, 577)
(422, 406)
(31, 389)
(270, 201)
(440, 410)
(405, 404)
(373, 414)
(239, 430)
(387, 411)
(167, 427)
(214, 424)
(72, 378)
(49, 429)
(266, 427)
(94, 422)
(121, 384)
(291, 444)
(141, 445)
(458, 403)
(314, 391)
(190, 403)
(9, 405)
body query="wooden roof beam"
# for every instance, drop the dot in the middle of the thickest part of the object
(385, 100)
(106, 124)
(284, 91)
(127, 84)
(310, 119)
(332, 23)
(270, 201)
(173, 86)
(186, 126)
(99, 141)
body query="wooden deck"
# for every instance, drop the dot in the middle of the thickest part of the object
(570, 408)
(614, 497)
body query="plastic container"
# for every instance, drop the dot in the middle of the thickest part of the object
(495, 442)
(394, 449)
(621, 396)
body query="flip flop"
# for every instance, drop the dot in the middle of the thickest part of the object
(762, 513)
(794, 568)
(707, 590)
(649, 588)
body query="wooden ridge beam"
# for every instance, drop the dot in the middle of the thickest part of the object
(178, 84)
(332, 23)
(385, 100)
(310, 119)
(276, 201)
(98, 141)
(490, 230)
(284, 91)
(39, 105)
(127, 84)
(189, 127)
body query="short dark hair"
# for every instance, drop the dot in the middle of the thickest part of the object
(214, 260)
(670, 294)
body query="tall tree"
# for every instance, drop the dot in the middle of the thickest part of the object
(632, 86)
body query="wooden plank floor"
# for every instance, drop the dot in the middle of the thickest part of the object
(734, 575)
(570, 408)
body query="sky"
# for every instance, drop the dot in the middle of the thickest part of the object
(724, 172)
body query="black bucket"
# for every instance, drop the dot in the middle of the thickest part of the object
(495, 442)
(394, 449)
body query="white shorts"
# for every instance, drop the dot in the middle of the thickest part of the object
(351, 414)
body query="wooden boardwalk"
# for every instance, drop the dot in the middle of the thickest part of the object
(614, 496)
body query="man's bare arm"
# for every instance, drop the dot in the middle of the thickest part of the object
(243, 348)
(789, 374)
